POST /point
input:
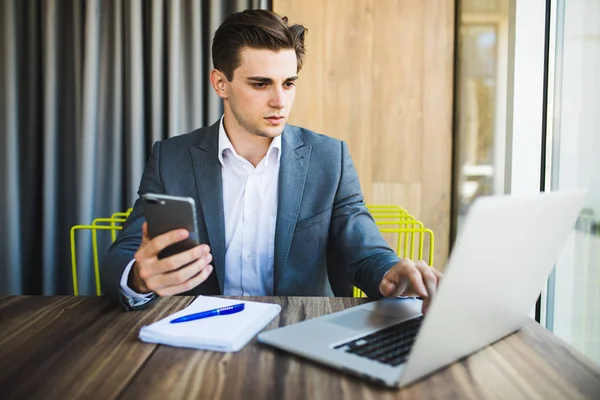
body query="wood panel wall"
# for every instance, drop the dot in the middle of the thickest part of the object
(379, 75)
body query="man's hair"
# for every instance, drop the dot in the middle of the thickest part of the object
(257, 29)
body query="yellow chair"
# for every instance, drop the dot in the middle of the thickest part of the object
(411, 236)
(97, 224)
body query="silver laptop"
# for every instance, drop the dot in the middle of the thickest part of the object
(500, 262)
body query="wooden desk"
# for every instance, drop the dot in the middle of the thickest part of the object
(86, 347)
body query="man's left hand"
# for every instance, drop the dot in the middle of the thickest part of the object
(411, 278)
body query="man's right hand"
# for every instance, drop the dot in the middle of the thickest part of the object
(164, 277)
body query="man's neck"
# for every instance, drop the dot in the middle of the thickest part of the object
(251, 147)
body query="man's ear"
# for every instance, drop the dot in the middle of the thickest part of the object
(219, 82)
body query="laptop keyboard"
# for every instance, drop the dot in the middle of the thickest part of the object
(390, 345)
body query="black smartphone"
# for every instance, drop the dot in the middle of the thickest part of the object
(166, 213)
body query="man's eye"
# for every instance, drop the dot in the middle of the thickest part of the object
(289, 85)
(259, 85)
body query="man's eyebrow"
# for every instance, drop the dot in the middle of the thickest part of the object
(269, 80)
(259, 79)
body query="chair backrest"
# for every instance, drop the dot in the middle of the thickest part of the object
(112, 224)
(406, 235)
(411, 241)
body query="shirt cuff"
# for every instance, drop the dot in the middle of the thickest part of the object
(134, 299)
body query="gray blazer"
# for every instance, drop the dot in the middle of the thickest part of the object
(325, 240)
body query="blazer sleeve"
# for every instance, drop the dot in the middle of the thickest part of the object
(122, 250)
(366, 255)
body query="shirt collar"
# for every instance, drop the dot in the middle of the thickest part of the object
(225, 143)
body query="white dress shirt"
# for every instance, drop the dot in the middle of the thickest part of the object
(250, 210)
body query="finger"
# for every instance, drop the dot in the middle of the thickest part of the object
(429, 277)
(188, 285)
(430, 280)
(154, 268)
(417, 286)
(181, 275)
(154, 273)
(390, 284)
(179, 260)
(439, 275)
(160, 242)
(403, 279)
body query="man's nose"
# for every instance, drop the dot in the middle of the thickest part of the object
(278, 99)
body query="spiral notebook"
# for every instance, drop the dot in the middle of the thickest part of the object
(226, 333)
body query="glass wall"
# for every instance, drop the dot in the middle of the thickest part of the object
(481, 100)
(573, 295)
(500, 67)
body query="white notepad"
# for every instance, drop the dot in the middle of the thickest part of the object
(228, 333)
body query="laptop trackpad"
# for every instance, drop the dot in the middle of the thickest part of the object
(363, 319)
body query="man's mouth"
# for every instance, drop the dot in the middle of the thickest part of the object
(275, 119)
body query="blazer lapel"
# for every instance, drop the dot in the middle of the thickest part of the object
(207, 170)
(292, 177)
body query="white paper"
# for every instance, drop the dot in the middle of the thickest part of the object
(228, 333)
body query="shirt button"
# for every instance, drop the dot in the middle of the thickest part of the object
(249, 256)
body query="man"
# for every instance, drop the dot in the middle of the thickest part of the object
(273, 200)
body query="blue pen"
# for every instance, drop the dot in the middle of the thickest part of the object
(210, 313)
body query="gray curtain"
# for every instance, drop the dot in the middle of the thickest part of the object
(86, 88)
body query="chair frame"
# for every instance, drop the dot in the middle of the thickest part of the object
(116, 218)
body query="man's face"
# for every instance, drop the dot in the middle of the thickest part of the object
(262, 91)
